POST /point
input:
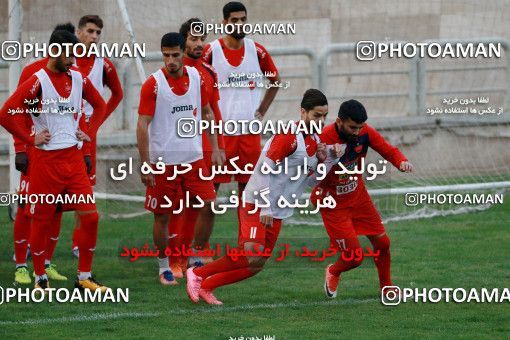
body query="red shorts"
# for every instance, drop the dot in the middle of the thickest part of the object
(175, 189)
(247, 148)
(58, 172)
(24, 181)
(208, 161)
(359, 217)
(251, 230)
(24, 177)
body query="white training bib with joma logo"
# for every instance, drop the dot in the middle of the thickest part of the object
(241, 86)
(60, 116)
(281, 184)
(164, 139)
(96, 77)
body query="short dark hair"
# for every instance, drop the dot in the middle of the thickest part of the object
(186, 27)
(95, 19)
(63, 37)
(233, 6)
(354, 110)
(65, 27)
(313, 98)
(173, 39)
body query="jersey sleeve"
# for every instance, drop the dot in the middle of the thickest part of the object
(19, 145)
(204, 93)
(282, 145)
(16, 124)
(148, 94)
(389, 152)
(113, 82)
(91, 95)
(25, 74)
(214, 92)
(266, 62)
(207, 54)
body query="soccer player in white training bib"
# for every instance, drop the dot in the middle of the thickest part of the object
(239, 63)
(173, 93)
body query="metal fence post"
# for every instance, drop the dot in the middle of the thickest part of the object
(413, 85)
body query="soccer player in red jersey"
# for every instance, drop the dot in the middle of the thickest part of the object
(57, 165)
(182, 227)
(22, 221)
(355, 213)
(241, 98)
(102, 73)
(260, 226)
(173, 94)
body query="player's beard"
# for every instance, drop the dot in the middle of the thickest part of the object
(174, 70)
(196, 53)
(349, 138)
(238, 35)
(61, 67)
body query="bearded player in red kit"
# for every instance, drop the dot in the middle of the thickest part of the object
(22, 221)
(60, 165)
(181, 229)
(355, 213)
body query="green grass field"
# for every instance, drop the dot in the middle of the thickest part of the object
(286, 300)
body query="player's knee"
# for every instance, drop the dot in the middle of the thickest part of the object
(256, 263)
(91, 217)
(353, 263)
(381, 243)
(161, 221)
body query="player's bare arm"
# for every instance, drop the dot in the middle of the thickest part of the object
(217, 157)
(142, 138)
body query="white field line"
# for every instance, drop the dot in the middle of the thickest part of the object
(182, 311)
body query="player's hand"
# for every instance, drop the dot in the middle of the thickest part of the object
(406, 167)
(88, 163)
(223, 156)
(82, 136)
(338, 150)
(21, 162)
(259, 115)
(42, 138)
(267, 221)
(148, 180)
(216, 157)
(321, 152)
